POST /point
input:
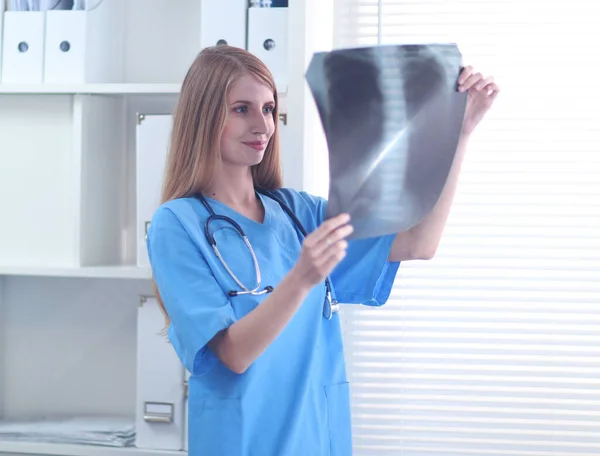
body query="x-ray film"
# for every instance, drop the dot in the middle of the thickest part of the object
(392, 116)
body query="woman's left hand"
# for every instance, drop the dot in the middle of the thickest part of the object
(481, 93)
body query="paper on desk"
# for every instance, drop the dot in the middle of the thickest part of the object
(392, 117)
(107, 431)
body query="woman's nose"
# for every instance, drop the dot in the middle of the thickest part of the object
(260, 125)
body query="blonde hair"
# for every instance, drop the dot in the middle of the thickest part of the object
(198, 123)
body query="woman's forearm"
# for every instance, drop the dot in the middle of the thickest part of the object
(427, 234)
(421, 241)
(244, 341)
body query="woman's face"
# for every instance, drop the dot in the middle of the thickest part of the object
(250, 124)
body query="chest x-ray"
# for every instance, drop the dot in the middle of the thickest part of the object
(392, 117)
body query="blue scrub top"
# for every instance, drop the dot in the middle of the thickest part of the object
(294, 400)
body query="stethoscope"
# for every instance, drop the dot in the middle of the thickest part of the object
(330, 306)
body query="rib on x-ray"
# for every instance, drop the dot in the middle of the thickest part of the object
(392, 117)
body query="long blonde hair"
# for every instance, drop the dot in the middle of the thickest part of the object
(198, 123)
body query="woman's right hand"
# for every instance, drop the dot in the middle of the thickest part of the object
(322, 251)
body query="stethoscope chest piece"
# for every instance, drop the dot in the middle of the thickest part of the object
(331, 306)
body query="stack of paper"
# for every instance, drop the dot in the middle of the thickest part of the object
(46, 5)
(106, 431)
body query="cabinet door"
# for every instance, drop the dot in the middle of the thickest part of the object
(161, 401)
(152, 144)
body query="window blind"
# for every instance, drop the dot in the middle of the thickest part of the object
(493, 347)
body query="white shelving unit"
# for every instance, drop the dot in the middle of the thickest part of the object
(69, 284)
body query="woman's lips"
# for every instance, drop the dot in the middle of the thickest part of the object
(256, 145)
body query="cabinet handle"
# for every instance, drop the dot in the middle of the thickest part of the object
(283, 118)
(158, 412)
(146, 226)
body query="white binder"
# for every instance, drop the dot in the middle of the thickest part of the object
(85, 46)
(160, 402)
(23, 47)
(152, 144)
(2, 7)
(65, 48)
(267, 39)
(223, 22)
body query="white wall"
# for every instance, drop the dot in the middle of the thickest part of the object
(313, 20)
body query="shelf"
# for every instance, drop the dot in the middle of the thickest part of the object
(99, 89)
(106, 89)
(101, 272)
(43, 449)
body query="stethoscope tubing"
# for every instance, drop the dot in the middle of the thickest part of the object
(330, 307)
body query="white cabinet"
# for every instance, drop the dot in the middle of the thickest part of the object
(74, 186)
(160, 386)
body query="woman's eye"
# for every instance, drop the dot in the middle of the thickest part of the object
(241, 109)
(269, 109)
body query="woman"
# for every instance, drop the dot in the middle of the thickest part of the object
(267, 368)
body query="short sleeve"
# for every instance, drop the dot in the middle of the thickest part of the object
(364, 276)
(197, 306)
